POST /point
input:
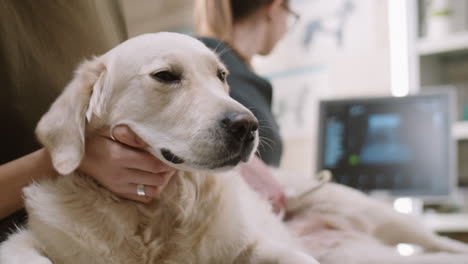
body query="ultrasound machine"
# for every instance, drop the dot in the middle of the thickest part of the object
(398, 145)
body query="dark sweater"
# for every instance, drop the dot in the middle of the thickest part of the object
(255, 93)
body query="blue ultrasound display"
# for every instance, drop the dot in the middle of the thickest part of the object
(395, 144)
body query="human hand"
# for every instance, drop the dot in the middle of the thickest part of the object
(261, 179)
(121, 165)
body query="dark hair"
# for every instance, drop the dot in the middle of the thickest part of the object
(243, 8)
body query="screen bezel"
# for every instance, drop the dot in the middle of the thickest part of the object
(450, 150)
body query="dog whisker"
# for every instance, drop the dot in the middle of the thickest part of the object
(258, 153)
(266, 128)
(267, 140)
(266, 143)
(222, 52)
(215, 50)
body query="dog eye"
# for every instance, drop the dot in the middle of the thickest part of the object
(221, 75)
(166, 76)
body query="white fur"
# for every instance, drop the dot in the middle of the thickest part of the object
(338, 225)
(201, 216)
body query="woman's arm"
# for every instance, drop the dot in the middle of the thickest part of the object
(118, 165)
(19, 173)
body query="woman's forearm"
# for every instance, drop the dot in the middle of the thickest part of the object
(19, 173)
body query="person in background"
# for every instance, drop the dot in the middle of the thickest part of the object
(238, 30)
(41, 43)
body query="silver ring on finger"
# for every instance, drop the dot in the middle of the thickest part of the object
(112, 134)
(141, 190)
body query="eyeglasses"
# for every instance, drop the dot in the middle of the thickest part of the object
(293, 17)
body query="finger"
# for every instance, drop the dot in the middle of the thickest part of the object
(277, 208)
(282, 200)
(167, 177)
(146, 162)
(150, 191)
(135, 158)
(278, 203)
(135, 197)
(146, 178)
(104, 132)
(125, 135)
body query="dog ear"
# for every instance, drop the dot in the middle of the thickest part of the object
(62, 129)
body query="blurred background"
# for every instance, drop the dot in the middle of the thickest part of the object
(346, 48)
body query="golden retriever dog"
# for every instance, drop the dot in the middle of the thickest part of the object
(171, 91)
(338, 224)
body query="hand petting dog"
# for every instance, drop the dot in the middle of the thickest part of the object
(120, 165)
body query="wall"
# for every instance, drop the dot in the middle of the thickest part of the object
(145, 16)
(339, 48)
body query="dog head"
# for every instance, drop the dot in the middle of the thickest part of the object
(170, 89)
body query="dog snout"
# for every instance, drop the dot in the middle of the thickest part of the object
(240, 126)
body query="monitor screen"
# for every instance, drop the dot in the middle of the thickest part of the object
(402, 145)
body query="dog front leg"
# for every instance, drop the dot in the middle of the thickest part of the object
(439, 243)
(393, 258)
(20, 249)
(406, 230)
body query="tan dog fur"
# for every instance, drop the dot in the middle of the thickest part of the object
(203, 216)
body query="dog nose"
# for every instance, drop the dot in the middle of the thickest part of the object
(239, 125)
